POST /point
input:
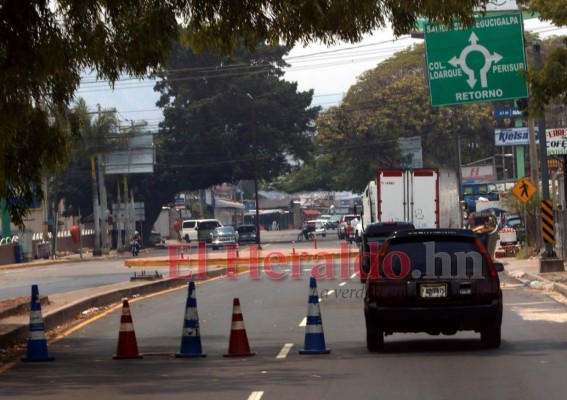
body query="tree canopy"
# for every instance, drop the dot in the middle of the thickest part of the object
(219, 113)
(45, 45)
(548, 83)
(390, 102)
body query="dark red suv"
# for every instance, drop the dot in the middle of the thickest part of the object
(437, 281)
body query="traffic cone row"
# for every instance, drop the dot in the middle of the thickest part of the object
(127, 347)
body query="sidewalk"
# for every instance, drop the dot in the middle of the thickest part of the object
(527, 271)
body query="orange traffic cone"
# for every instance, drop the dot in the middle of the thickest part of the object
(127, 344)
(238, 343)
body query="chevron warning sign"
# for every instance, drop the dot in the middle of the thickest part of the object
(547, 225)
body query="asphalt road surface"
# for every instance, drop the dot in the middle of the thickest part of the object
(63, 278)
(531, 363)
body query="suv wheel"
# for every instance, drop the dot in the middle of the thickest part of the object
(374, 340)
(374, 336)
(491, 337)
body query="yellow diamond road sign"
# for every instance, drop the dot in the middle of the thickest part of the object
(524, 189)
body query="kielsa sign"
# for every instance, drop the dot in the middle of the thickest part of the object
(477, 64)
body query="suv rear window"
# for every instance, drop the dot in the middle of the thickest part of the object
(434, 258)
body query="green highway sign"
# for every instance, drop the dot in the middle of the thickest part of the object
(477, 64)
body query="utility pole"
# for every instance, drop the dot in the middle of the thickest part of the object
(255, 162)
(549, 262)
(534, 175)
(103, 206)
(96, 210)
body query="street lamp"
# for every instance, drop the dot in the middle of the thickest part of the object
(255, 162)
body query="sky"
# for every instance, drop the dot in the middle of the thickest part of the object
(330, 71)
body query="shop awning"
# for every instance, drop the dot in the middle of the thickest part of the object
(222, 203)
(311, 212)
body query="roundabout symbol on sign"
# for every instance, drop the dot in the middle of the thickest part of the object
(488, 59)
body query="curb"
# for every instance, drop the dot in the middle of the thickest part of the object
(52, 319)
(557, 287)
(21, 308)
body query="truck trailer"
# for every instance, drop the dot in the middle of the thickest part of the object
(426, 197)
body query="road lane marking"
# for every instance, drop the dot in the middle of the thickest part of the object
(330, 292)
(353, 275)
(549, 314)
(342, 283)
(303, 322)
(285, 349)
(255, 395)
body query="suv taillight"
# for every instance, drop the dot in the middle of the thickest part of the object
(487, 288)
(487, 259)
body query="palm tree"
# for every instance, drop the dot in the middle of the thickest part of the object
(99, 135)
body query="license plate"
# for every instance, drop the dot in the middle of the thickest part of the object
(433, 291)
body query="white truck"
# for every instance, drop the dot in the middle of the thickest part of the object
(426, 197)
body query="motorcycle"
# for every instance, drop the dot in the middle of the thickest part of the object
(134, 247)
(307, 235)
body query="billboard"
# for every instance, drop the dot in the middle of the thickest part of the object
(138, 157)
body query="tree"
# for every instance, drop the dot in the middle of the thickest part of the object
(45, 45)
(548, 83)
(218, 113)
(100, 134)
(390, 102)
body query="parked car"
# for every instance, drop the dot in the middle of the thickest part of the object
(317, 226)
(342, 229)
(188, 230)
(246, 234)
(334, 221)
(325, 218)
(155, 239)
(515, 221)
(433, 281)
(204, 229)
(223, 236)
(372, 238)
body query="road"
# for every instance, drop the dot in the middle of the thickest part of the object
(63, 278)
(531, 363)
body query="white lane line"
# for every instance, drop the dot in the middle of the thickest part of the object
(303, 322)
(353, 275)
(285, 349)
(330, 292)
(342, 283)
(255, 395)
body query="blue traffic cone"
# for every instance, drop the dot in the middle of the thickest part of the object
(314, 336)
(190, 336)
(37, 344)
